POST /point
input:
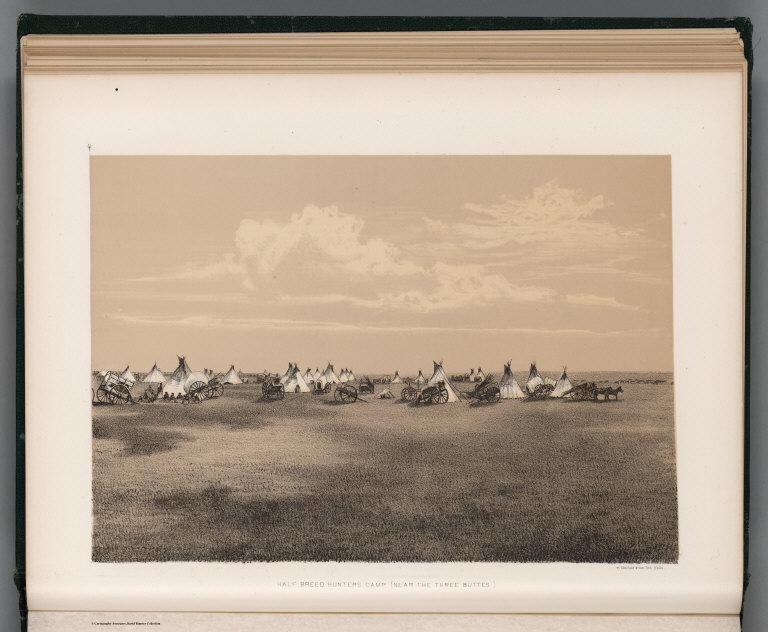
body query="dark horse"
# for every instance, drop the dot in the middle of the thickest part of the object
(609, 392)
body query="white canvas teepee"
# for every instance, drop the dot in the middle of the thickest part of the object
(351, 375)
(182, 378)
(287, 373)
(231, 377)
(127, 375)
(174, 386)
(440, 376)
(295, 382)
(471, 375)
(344, 376)
(534, 379)
(562, 386)
(309, 377)
(329, 376)
(508, 385)
(155, 376)
(318, 374)
(479, 376)
(397, 379)
(420, 379)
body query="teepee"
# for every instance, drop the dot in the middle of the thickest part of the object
(318, 374)
(562, 386)
(102, 373)
(287, 373)
(397, 379)
(309, 377)
(350, 375)
(329, 376)
(534, 379)
(127, 375)
(295, 382)
(471, 375)
(344, 376)
(440, 376)
(420, 379)
(479, 376)
(231, 377)
(181, 379)
(155, 376)
(508, 385)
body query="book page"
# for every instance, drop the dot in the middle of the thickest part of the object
(298, 622)
(385, 228)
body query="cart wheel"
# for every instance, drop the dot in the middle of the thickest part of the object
(408, 394)
(120, 394)
(441, 397)
(102, 396)
(218, 390)
(337, 395)
(197, 392)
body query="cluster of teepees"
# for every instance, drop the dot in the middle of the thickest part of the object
(294, 381)
(476, 377)
(329, 376)
(560, 386)
(178, 384)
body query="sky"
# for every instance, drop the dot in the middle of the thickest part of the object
(382, 263)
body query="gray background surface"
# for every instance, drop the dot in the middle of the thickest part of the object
(756, 604)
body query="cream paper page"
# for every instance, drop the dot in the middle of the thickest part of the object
(300, 622)
(694, 118)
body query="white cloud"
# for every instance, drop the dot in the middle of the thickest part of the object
(461, 286)
(255, 324)
(452, 287)
(332, 236)
(550, 215)
(599, 301)
(229, 265)
(318, 256)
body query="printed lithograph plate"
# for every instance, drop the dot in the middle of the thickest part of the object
(442, 224)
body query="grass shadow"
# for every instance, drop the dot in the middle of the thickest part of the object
(139, 440)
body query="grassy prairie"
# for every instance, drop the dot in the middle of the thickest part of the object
(237, 479)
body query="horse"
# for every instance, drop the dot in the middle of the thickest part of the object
(609, 392)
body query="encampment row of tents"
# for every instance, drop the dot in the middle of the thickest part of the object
(294, 381)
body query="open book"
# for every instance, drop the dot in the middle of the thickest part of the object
(387, 324)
